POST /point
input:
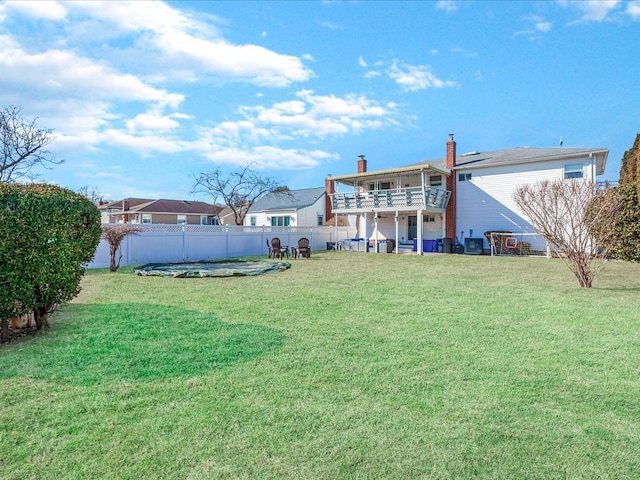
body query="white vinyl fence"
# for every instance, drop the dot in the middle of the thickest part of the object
(183, 243)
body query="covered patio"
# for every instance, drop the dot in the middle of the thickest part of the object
(401, 206)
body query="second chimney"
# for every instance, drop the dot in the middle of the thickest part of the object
(362, 164)
(450, 161)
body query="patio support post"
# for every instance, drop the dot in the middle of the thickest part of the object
(375, 237)
(335, 218)
(424, 188)
(419, 232)
(396, 217)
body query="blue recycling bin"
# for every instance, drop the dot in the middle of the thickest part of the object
(427, 245)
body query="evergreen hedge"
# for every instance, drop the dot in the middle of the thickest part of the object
(47, 234)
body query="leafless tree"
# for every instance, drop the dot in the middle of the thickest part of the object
(558, 211)
(114, 234)
(238, 190)
(92, 193)
(23, 145)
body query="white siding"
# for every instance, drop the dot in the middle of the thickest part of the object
(486, 201)
(308, 216)
(304, 217)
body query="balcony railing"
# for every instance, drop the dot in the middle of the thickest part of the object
(402, 199)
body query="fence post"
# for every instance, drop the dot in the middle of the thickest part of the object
(184, 243)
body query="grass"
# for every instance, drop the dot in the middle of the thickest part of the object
(347, 365)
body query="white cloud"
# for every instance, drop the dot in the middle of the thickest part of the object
(447, 5)
(542, 26)
(63, 74)
(412, 78)
(38, 9)
(142, 144)
(263, 134)
(592, 10)
(464, 52)
(270, 157)
(633, 9)
(153, 122)
(372, 74)
(331, 25)
(179, 43)
(536, 25)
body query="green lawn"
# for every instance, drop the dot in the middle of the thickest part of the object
(347, 365)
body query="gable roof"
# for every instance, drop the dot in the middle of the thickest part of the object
(119, 203)
(494, 158)
(296, 200)
(138, 205)
(524, 155)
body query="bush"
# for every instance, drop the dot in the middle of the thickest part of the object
(619, 232)
(47, 234)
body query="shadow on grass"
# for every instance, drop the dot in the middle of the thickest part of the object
(135, 342)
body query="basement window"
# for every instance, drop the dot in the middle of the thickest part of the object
(464, 177)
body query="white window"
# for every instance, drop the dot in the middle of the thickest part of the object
(435, 180)
(182, 219)
(464, 177)
(280, 221)
(320, 220)
(428, 218)
(573, 171)
(146, 218)
(204, 220)
(252, 220)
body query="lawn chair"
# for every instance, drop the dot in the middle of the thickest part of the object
(277, 249)
(304, 250)
(271, 252)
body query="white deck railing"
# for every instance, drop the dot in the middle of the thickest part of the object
(401, 199)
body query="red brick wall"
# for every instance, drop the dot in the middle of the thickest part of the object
(329, 188)
(450, 212)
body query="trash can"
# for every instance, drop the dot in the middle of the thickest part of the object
(446, 245)
(440, 245)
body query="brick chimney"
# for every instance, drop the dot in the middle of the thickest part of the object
(329, 188)
(450, 161)
(362, 164)
(125, 208)
(450, 212)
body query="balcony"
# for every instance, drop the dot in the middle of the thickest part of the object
(403, 199)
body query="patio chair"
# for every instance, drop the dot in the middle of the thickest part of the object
(304, 250)
(271, 252)
(277, 248)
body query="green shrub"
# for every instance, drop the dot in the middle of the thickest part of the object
(47, 234)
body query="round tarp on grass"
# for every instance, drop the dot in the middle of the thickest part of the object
(211, 268)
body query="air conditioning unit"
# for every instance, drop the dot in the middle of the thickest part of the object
(473, 246)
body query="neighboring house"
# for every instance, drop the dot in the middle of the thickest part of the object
(299, 208)
(455, 197)
(146, 211)
(227, 217)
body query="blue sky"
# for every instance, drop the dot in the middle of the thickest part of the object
(143, 96)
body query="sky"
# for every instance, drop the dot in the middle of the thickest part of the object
(144, 96)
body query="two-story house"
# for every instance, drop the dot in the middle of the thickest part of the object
(456, 197)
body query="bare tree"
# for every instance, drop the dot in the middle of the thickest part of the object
(114, 234)
(238, 190)
(23, 145)
(558, 211)
(92, 193)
